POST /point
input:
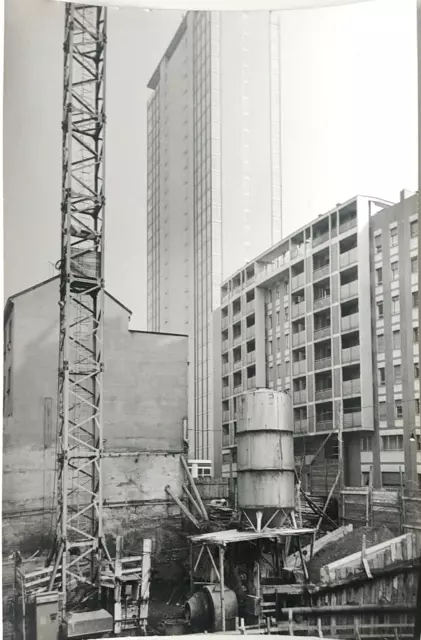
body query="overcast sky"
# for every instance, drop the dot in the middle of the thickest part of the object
(349, 101)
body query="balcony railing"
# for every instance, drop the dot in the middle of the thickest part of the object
(298, 281)
(251, 357)
(300, 397)
(350, 322)
(250, 331)
(225, 322)
(297, 252)
(321, 302)
(225, 439)
(323, 332)
(298, 309)
(238, 388)
(251, 382)
(225, 392)
(352, 420)
(347, 225)
(348, 257)
(349, 290)
(225, 416)
(236, 314)
(323, 363)
(319, 239)
(351, 354)
(323, 394)
(351, 387)
(237, 340)
(225, 368)
(298, 338)
(324, 425)
(321, 272)
(299, 367)
(250, 306)
(237, 365)
(225, 345)
(301, 426)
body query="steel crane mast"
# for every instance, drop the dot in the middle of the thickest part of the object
(80, 401)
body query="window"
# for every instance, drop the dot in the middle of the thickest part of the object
(395, 270)
(366, 444)
(396, 339)
(278, 344)
(382, 410)
(287, 341)
(269, 348)
(397, 374)
(278, 317)
(416, 370)
(415, 334)
(394, 237)
(379, 276)
(415, 299)
(414, 228)
(378, 243)
(392, 443)
(379, 310)
(395, 305)
(269, 322)
(365, 479)
(279, 370)
(417, 406)
(380, 343)
(398, 409)
(382, 376)
(391, 479)
(286, 313)
(414, 265)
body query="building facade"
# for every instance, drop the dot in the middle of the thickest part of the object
(331, 315)
(145, 405)
(214, 179)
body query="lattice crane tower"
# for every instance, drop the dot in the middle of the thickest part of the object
(81, 365)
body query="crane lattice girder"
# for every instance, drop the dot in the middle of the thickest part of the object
(82, 297)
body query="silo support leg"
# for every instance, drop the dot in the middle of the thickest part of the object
(222, 583)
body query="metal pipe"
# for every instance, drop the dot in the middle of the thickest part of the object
(182, 507)
(194, 488)
(362, 608)
(55, 568)
(192, 500)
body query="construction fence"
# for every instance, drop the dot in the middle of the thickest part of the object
(399, 510)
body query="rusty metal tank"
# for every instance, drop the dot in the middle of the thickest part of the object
(265, 457)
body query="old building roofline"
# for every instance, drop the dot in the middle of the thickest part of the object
(9, 303)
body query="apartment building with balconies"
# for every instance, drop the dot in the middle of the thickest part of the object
(301, 317)
(395, 306)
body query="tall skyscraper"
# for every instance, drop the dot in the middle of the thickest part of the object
(214, 179)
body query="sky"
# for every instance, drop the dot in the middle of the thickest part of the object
(349, 108)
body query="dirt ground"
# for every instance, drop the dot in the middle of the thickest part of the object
(351, 543)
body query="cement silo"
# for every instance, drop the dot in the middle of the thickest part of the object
(265, 457)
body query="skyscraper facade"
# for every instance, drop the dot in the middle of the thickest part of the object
(214, 179)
